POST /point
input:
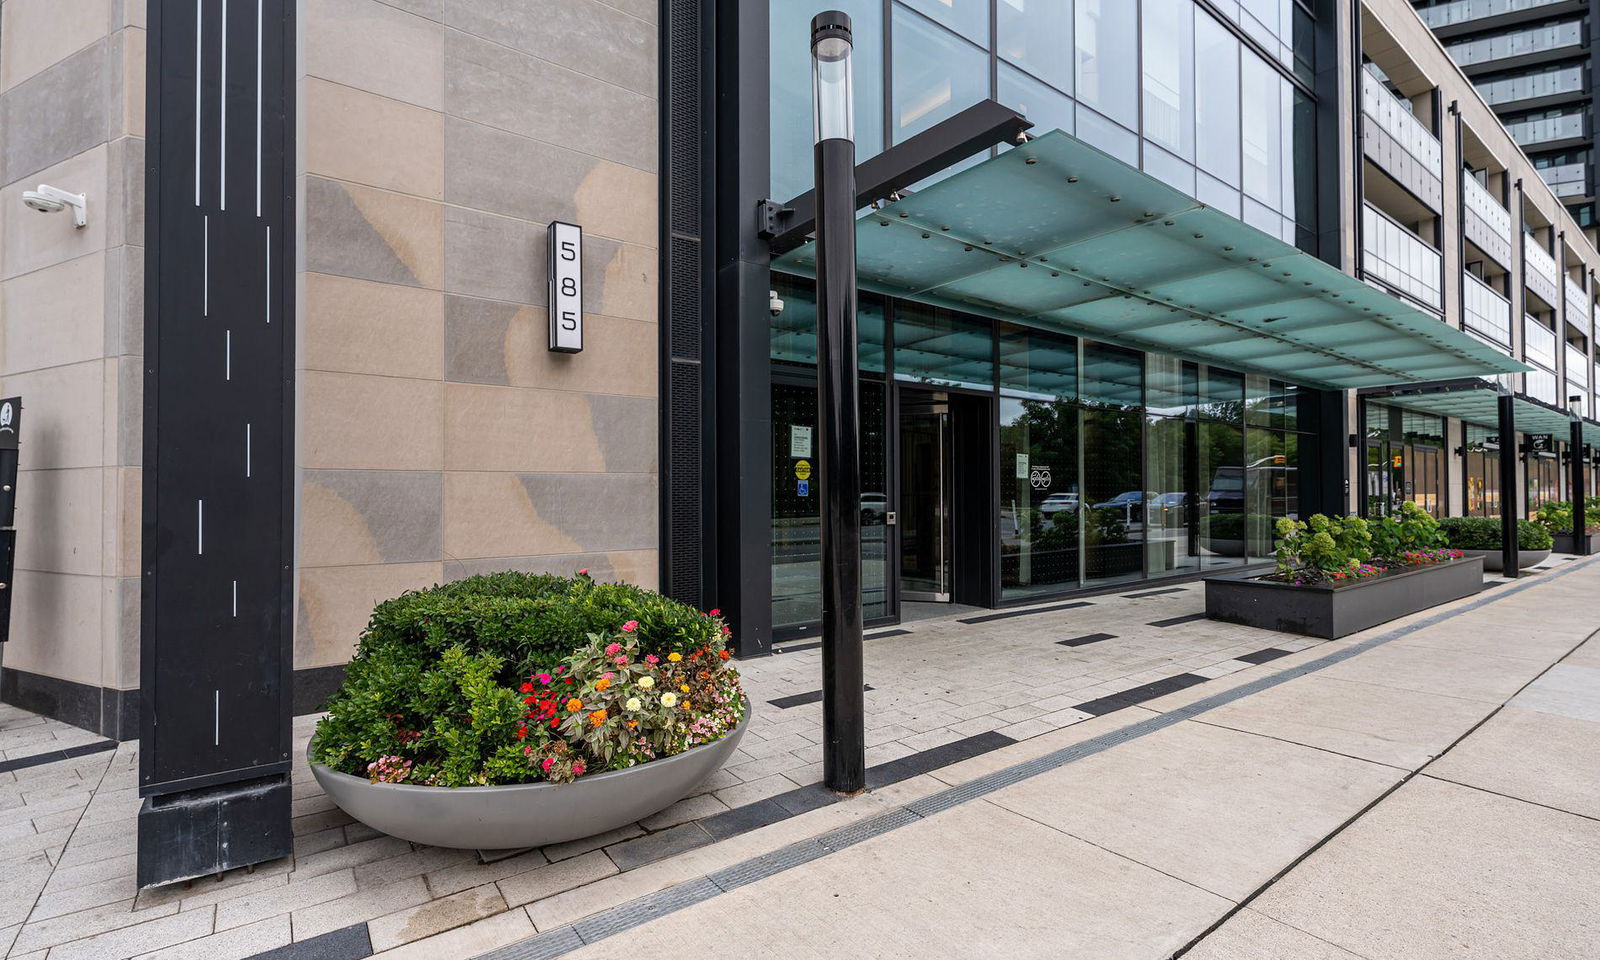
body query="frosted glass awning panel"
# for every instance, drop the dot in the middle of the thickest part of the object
(1056, 235)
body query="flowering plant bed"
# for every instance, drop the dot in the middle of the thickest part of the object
(1335, 576)
(511, 682)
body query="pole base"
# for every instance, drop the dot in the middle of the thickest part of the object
(200, 833)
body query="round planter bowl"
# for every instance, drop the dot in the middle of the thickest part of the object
(526, 814)
(1493, 560)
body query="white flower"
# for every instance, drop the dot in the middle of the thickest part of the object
(632, 704)
(645, 683)
(669, 699)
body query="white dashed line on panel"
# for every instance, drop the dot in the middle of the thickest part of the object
(247, 451)
(199, 23)
(222, 141)
(258, 107)
(216, 717)
(236, 598)
(205, 269)
(269, 275)
(199, 527)
(227, 355)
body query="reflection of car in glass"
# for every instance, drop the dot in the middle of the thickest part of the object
(1057, 502)
(874, 506)
(1167, 510)
(1130, 502)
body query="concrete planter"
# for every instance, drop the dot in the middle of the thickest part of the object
(526, 814)
(1332, 612)
(1494, 560)
(1566, 543)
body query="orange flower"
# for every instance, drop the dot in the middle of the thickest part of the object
(724, 654)
(574, 705)
(602, 684)
(597, 718)
(632, 724)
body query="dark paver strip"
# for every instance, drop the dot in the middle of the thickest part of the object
(1087, 638)
(56, 756)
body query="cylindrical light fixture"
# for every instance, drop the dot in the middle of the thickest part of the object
(844, 763)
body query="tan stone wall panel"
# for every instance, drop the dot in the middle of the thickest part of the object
(365, 138)
(369, 516)
(491, 515)
(37, 33)
(336, 602)
(55, 625)
(352, 421)
(361, 232)
(60, 521)
(357, 326)
(487, 341)
(371, 45)
(51, 317)
(511, 429)
(584, 35)
(29, 241)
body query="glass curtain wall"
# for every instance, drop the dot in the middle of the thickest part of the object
(1543, 478)
(1115, 498)
(1481, 471)
(1164, 85)
(1194, 448)
(796, 513)
(1040, 495)
(1272, 459)
(1405, 461)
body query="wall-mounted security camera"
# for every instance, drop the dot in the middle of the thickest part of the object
(774, 303)
(48, 199)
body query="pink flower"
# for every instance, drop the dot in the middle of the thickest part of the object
(651, 659)
(621, 660)
(612, 649)
(527, 751)
(630, 626)
(584, 572)
(714, 612)
(578, 768)
(544, 678)
(548, 763)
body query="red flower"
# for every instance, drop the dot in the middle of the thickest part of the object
(724, 654)
(714, 612)
(526, 688)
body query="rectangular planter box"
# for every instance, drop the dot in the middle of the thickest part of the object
(1332, 612)
(1565, 543)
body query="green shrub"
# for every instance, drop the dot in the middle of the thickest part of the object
(433, 688)
(1411, 530)
(1323, 548)
(1483, 533)
(1221, 526)
(1556, 516)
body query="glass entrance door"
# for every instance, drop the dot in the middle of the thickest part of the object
(925, 555)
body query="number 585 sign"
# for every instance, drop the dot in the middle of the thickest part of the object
(566, 287)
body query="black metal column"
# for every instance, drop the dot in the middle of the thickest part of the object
(1325, 461)
(218, 517)
(1509, 500)
(1576, 455)
(839, 438)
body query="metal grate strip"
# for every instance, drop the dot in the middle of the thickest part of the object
(836, 840)
(746, 872)
(544, 946)
(631, 914)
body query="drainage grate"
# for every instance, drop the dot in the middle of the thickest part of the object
(749, 871)
(836, 840)
(544, 946)
(643, 910)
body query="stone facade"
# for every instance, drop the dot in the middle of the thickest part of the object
(437, 436)
(71, 312)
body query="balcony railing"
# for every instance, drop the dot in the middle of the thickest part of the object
(1538, 343)
(1541, 385)
(1541, 269)
(1488, 223)
(1545, 83)
(1487, 312)
(1566, 179)
(1566, 126)
(1463, 11)
(1577, 368)
(1399, 258)
(1399, 143)
(1577, 303)
(1546, 37)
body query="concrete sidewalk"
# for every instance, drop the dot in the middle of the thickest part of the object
(1434, 795)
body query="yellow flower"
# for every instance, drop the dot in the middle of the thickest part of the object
(674, 657)
(669, 699)
(645, 683)
(684, 687)
(686, 704)
(632, 704)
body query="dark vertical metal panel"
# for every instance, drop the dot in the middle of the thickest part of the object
(218, 478)
(1509, 500)
(740, 418)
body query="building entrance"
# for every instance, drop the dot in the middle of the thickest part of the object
(925, 467)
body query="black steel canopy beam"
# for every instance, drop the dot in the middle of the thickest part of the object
(972, 131)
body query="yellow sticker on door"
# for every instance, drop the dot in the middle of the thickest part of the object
(802, 470)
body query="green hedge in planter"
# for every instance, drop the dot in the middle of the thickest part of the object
(1483, 533)
(1221, 526)
(439, 688)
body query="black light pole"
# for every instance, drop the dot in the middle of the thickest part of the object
(1576, 458)
(844, 752)
(1509, 500)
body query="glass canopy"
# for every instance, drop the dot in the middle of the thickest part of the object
(1058, 235)
(1482, 406)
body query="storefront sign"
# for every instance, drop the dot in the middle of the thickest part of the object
(566, 287)
(802, 470)
(1039, 477)
(1541, 442)
(1022, 466)
(799, 441)
(10, 422)
(802, 488)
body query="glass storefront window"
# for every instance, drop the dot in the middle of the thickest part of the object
(1113, 478)
(1039, 492)
(936, 74)
(1106, 38)
(939, 347)
(1262, 123)
(794, 331)
(1035, 36)
(789, 48)
(1481, 472)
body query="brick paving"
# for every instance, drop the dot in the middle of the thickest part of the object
(67, 828)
